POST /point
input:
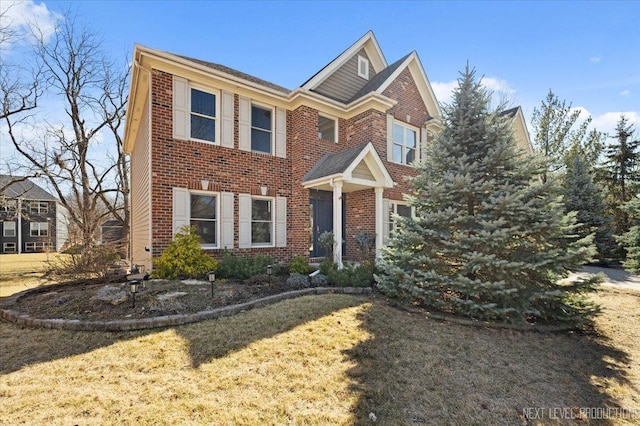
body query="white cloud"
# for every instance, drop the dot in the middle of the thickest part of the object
(596, 59)
(625, 93)
(444, 91)
(607, 122)
(17, 16)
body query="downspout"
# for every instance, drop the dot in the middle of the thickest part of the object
(19, 225)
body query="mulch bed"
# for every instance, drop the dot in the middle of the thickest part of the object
(82, 301)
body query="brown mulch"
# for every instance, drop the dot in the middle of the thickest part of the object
(77, 301)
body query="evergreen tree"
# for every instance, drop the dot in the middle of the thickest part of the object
(556, 130)
(630, 240)
(583, 196)
(489, 241)
(622, 172)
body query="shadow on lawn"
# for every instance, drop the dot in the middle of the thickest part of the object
(416, 370)
(20, 346)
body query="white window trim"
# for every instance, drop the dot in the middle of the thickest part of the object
(393, 207)
(416, 130)
(38, 229)
(335, 127)
(272, 131)
(218, 119)
(363, 63)
(39, 207)
(7, 245)
(5, 228)
(218, 201)
(273, 222)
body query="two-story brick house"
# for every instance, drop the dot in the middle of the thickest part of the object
(261, 169)
(32, 219)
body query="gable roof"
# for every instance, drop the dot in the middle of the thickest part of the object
(380, 78)
(367, 42)
(22, 187)
(358, 168)
(236, 73)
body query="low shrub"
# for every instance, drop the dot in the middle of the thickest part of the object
(299, 265)
(298, 281)
(351, 276)
(95, 260)
(183, 258)
(243, 267)
(319, 280)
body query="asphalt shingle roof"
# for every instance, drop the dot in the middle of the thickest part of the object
(23, 188)
(333, 163)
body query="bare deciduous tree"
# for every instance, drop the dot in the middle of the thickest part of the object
(66, 151)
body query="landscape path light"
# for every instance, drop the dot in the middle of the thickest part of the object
(212, 279)
(133, 286)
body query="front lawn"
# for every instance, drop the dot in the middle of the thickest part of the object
(333, 359)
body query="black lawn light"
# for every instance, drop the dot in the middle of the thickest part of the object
(269, 272)
(212, 280)
(133, 286)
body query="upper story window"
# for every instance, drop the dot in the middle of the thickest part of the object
(203, 115)
(327, 128)
(262, 213)
(363, 67)
(261, 129)
(38, 229)
(9, 205)
(39, 207)
(405, 143)
(204, 218)
(9, 229)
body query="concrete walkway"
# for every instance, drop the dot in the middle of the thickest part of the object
(613, 277)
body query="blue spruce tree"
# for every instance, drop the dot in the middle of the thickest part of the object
(490, 240)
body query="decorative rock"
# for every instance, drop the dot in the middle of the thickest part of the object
(111, 294)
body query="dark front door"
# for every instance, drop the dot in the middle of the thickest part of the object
(321, 212)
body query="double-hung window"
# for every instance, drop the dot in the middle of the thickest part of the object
(9, 229)
(327, 129)
(204, 218)
(261, 129)
(402, 210)
(405, 143)
(262, 221)
(203, 115)
(39, 207)
(39, 229)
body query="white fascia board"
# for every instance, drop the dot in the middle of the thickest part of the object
(374, 52)
(424, 86)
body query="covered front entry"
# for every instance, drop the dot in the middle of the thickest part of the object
(335, 175)
(321, 216)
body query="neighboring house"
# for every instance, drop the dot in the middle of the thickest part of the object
(111, 232)
(260, 169)
(32, 219)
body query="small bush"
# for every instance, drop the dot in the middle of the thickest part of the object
(243, 267)
(298, 281)
(95, 260)
(319, 280)
(351, 276)
(299, 265)
(183, 258)
(327, 265)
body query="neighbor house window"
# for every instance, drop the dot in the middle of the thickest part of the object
(405, 143)
(9, 205)
(261, 221)
(327, 129)
(261, 129)
(39, 229)
(363, 67)
(204, 218)
(9, 247)
(36, 246)
(203, 115)
(39, 207)
(9, 229)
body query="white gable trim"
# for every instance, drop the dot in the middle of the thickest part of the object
(367, 42)
(420, 77)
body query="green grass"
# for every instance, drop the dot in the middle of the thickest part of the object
(320, 360)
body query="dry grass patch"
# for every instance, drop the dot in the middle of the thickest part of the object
(19, 272)
(330, 359)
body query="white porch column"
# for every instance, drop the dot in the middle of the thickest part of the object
(337, 224)
(379, 220)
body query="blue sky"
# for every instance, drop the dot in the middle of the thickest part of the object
(587, 52)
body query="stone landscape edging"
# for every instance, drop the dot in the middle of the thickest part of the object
(20, 318)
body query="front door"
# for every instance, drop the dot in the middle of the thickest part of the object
(321, 215)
